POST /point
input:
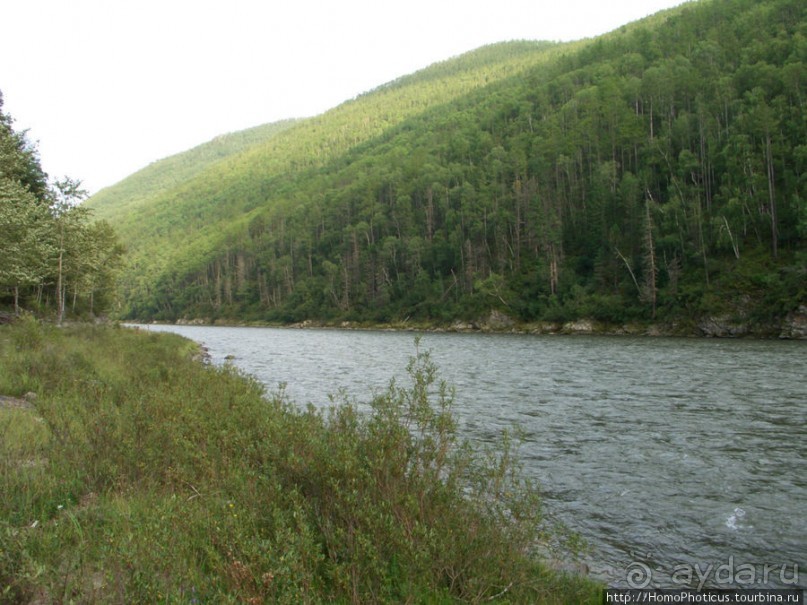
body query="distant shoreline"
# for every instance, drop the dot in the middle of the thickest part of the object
(792, 327)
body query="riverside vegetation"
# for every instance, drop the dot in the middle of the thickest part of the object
(135, 473)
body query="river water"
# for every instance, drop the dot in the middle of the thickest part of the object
(681, 462)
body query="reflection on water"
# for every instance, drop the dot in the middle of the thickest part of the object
(660, 452)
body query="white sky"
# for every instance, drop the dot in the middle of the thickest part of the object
(108, 86)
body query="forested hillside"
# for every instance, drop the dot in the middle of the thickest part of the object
(653, 174)
(116, 202)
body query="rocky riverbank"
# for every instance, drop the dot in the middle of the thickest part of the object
(792, 327)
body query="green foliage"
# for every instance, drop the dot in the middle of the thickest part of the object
(139, 475)
(48, 246)
(19, 160)
(25, 247)
(624, 178)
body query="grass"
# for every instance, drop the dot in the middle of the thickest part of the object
(140, 475)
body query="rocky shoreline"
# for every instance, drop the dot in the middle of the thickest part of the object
(792, 327)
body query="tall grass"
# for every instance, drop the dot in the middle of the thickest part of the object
(142, 476)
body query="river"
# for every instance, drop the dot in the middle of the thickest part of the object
(681, 462)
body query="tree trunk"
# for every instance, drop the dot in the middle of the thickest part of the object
(59, 283)
(651, 269)
(771, 195)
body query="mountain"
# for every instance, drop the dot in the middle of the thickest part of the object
(656, 173)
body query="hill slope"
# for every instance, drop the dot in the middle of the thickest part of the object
(146, 186)
(656, 173)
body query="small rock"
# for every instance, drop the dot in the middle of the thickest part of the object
(795, 324)
(722, 327)
(574, 568)
(581, 326)
(498, 320)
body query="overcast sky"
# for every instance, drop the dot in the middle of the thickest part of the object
(108, 86)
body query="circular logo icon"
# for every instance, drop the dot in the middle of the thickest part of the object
(638, 575)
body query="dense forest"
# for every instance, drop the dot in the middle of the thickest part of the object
(54, 259)
(653, 174)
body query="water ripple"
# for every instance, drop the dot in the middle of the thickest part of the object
(667, 452)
